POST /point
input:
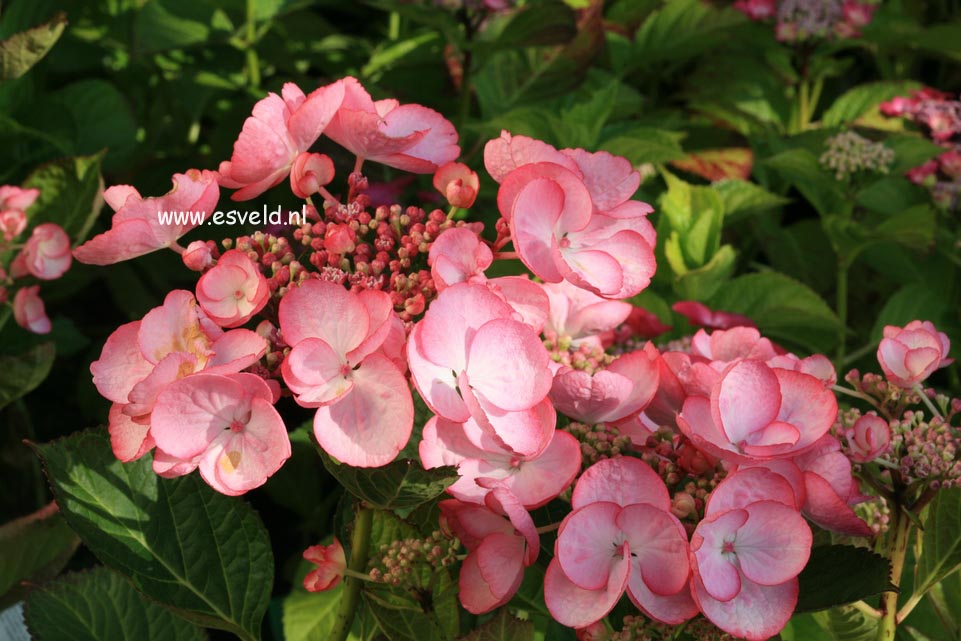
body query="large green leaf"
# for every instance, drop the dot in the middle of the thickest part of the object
(696, 214)
(941, 542)
(858, 101)
(544, 22)
(35, 547)
(20, 374)
(646, 145)
(401, 485)
(203, 554)
(170, 24)
(680, 30)
(102, 117)
(801, 169)
(21, 51)
(841, 574)
(846, 623)
(924, 301)
(502, 627)
(743, 198)
(910, 152)
(70, 193)
(782, 307)
(100, 605)
(428, 611)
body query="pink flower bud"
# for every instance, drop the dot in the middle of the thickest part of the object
(869, 438)
(46, 254)
(596, 631)
(309, 173)
(29, 312)
(757, 9)
(910, 354)
(16, 198)
(199, 255)
(12, 223)
(331, 564)
(458, 183)
(858, 14)
(950, 162)
(340, 239)
(923, 174)
(683, 505)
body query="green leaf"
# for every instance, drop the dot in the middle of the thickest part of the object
(847, 623)
(70, 194)
(841, 574)
(801, 169)
(743, 199)
(503, 627)
(22, 373)
(35, 547)
(697, 215)
(702, 283)
(891, 195)
(911, 152)
(99, 604)
(203, 554)
(401, 485)
(681, 30)
(170, 24)
(584, 120)
(863, 98)
(782, 307)
(426, 612)
(392, 53)
(21, 51)
(941, 545)
(646, 145)
(546, 22)
(914, 228)
(102, 117)
(310, 616)
(913, 301)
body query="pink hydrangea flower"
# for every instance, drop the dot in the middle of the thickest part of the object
(758, 412)
(620, 536)
(309, 173)
(46, 254)
(278, 130)
(331, 564)
(583, 316)
(233, 290)
(408, 137)
(746, 554)
(199, 255)
(499, 548)
(645, 324)
(365, 412)
(458, 183)
(14, 202)
(726, 346)
(910, 354)
(456, 355)
(458, 255)
(136, 227)
(868, 438)
(224, 424)
(483, 463)
(700, 315)
(29, 311)
(757, 9)
(623, 388)
(12, 223)
(141, 358)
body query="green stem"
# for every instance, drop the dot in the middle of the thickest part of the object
(899, 535)
(465, 91)
(804, 116)
(359, 544)
(253, 62)
(393, 28)
(842, 309)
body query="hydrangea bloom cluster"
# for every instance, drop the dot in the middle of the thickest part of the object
(801, 20)
(939, 116)
(697, 468)
(43, 256)
(849, 153)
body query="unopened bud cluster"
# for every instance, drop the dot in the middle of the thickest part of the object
(585, 357)
(926, 449)
(598, 442)
(640, 628)
(395, 562)
(876, 514)
(849, 153)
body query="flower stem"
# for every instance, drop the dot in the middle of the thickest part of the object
(359, 544)
(897, 544)
(842, 309)
(927, 401)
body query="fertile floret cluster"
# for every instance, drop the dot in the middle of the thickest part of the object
(849, 153)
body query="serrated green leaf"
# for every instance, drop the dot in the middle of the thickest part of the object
(23, 50)
(696, 214)
(841, 574)
(170, 24)
(914, 228)
(914, 301)
(70, 194)
(783, 308)
(97, 605)
(426, 612)
(941, 542)
(645, 145)
(20, 374)
(892, 195)
(858, 101)
(702, 283)
(102, 117)
(743, 199)
(503, 627)
(203, 554)
(546, 22)
(801, 169)
(680, 30)
(847, 623)
(35, 547)
(401, 485)
(911, 152)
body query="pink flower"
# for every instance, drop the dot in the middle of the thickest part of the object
(645, 324)
(408, 137)
(700, 315)
(12, 223)
(309, 173)
(498, 549)
(484, 464)
(136, 229)
(459, 254)
(46, 254)
(923, 174)
(225, 425)
(726, 346)
(141, 358)
(746, 554)
(583, 316)
(910, 354)
(16, 198)
(279, 129)
(470, 358)
(620, 536)
(458, 183)
(331, 564)
(757, 9)
(623, 388)
(199, 255)
(756, 412)
(340, 239)
(858, 14)
(337, 364)
(29, 311)
(868, 438)
(950, 163)
(898, 106)
(233, 290)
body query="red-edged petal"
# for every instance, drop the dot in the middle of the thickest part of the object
(622, 480)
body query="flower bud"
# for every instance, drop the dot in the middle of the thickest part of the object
(910, 354)
(458, 183)
(199, 255)
(29, 311)
(331, 564)
(309, 173)
(868, 438)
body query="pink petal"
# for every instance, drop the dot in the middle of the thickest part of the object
(696, 422)
(435, 383)
(121, 364)
(673, 609)
(505, 154)
(610, 179)
(713, 563)
(827, 509)
(622, 480)
(324, 310)
(129, 440)
(492, 573)
(749, 485)
(576, 607)
(774, 545)
(587, 544)
(235, 350)
(757, 613)
(191, 412)
(515, 384)
(807, 404)
(313, 115)
(746, 400)
(539, 480)
(526, 298)
(315, 373)
(596, 271)
(659, 547)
